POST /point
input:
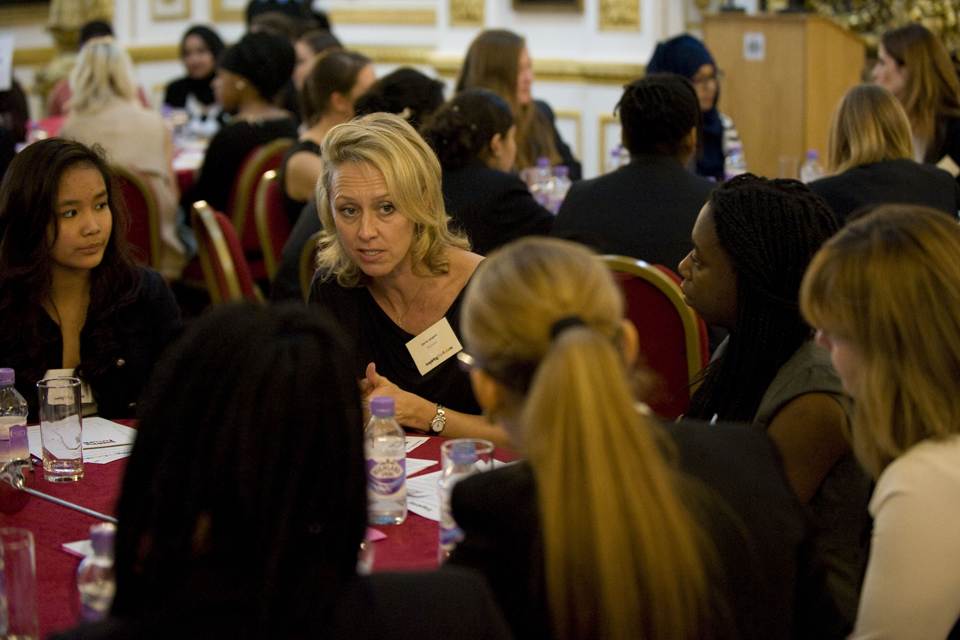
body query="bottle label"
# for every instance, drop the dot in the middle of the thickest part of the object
(386, 476)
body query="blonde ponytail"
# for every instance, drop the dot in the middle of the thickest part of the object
(624, 557)
(622, 553)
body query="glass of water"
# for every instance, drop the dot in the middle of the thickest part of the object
(61, 429)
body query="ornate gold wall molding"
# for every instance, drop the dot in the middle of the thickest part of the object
(466, 13)
(620, 15)
(419, 17)
(606, 73)
(558, 70)
(24, 15)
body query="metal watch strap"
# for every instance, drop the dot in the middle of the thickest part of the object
(439, 422)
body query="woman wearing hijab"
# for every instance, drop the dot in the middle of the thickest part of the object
(250, 75)
(688, 57)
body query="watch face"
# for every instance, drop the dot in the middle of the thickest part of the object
(437, 424)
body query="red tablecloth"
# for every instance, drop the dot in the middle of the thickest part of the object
(410, 546)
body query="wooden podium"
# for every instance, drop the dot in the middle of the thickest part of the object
(784, 74)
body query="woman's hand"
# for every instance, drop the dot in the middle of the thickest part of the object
(414, 412)
(410, 410)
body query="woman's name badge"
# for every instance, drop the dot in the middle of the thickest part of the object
(434, 346)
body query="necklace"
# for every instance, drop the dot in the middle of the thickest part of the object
(409, 305)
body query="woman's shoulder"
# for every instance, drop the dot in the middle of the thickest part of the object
(808, 370)
(462, 264)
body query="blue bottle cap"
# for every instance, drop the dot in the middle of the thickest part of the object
(382, 406)
(101, 537)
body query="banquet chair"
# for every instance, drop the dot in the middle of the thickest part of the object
(308, 264)
(143, 212)
(273, 225)
(224, 266)
(673, 342)
(242, 200)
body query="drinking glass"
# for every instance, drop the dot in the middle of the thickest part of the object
(61, 429)
(20, 577)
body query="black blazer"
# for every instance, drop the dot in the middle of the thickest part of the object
(891, 181)
(492, 207)
(645, 210)
(738, 491)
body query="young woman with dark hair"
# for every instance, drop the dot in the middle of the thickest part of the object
(336, 80)
(249, 77)
(243, 505)
(752, 243)
(199, 50)
(70, 296)
(915, 66)
(475, 140)
(498, 60)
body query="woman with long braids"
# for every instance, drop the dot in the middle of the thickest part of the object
(752, 243)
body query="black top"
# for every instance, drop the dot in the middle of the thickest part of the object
(148, 323)
(450, 603)
(291, 206)
(286, 279)
(492, 207)
(645, 210)
(378, 339)
(576, 171)
(737, 490)
(946, 141)
(891, 181)
(178, 90)
(226, 153)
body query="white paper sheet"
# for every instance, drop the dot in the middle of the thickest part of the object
(423, 497)
(103, 441)
(415, 465)
(415, 441)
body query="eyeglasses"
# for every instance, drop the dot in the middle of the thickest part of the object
(716, 76)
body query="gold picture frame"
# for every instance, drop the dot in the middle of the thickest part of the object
(162, 10)
(228, 10)
(549, 6)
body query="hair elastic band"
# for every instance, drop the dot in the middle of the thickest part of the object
(565, 323)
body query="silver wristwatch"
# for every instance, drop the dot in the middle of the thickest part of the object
(438, 423)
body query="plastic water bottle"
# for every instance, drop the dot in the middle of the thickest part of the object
(385, 450)
(619, 157)
(542, 185)
(734, 163)
(463, 463)
(561, 184)
(13, 420)
(95, 579)
(811, 169)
